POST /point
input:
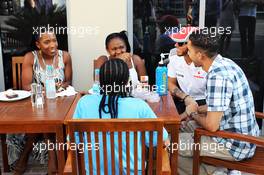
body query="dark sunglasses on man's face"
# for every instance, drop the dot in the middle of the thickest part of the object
(181, 44)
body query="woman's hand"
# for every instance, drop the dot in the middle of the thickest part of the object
(59, 86)
(126, 57)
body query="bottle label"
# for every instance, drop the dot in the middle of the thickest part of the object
(162, 81)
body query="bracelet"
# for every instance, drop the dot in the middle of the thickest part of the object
(185, 97)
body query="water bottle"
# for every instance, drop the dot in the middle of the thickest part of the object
(162, 78)
(96, 85)
(50, 82)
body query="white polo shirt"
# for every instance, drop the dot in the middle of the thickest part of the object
(191, 79)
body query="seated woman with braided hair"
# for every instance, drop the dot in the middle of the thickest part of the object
(117, 46)
(114, 103)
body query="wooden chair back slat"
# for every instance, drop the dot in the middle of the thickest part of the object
(120, 152)
(150, 153)
(118, 128)
(136, 152)
(97, 153)
(81, 155)
(90, 153)
(143, 134)
(17, 71)
(105, 153)
(73, 152)
(159, 154)
(112, 152)
(128, 152)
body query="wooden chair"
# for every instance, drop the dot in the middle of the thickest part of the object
(75, 161)
(253, 165)
(17, 84)
(17, 71)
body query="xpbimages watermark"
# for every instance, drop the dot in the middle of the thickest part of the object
(115, 88)
(79, 31)
(209, 147)
(50, 146)
(82, 147)
(213, 31)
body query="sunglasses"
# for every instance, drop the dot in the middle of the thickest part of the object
(181, 44)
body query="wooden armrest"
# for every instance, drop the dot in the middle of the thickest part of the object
(166, 170)
(68, 165)
(259, 115)
(225, 134)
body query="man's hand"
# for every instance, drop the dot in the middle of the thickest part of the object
(189, 100)
(183, 116)
(185, 122)
(191, 108)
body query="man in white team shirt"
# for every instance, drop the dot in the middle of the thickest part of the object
(186, 82)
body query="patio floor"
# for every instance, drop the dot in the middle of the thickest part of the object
(33, 168)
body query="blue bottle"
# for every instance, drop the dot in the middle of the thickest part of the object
(162, 78)
(96, 85)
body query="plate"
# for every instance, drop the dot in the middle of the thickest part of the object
(21, 95)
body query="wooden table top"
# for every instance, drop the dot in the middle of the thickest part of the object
(22, 112)
(165, 109)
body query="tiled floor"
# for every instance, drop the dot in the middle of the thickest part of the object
(33, 168)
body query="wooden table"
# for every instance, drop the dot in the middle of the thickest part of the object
(166, 110)
(21, 117)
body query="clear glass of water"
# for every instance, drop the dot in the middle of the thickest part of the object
(37, 99)
(33, 93)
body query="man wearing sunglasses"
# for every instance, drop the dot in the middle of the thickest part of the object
(186, 82)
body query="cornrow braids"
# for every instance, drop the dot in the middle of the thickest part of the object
(114, 75)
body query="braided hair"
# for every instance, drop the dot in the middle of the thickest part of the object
(114, 75)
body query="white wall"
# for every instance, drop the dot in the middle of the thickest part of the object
(100, 17)
(2, 82)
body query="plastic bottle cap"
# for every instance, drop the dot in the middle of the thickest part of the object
(161, 62)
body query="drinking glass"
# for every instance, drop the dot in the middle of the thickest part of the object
(37, 99)
(33, 93)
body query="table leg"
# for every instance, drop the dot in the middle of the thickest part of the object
(174, 131)
(4, 153)
(60, 151)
